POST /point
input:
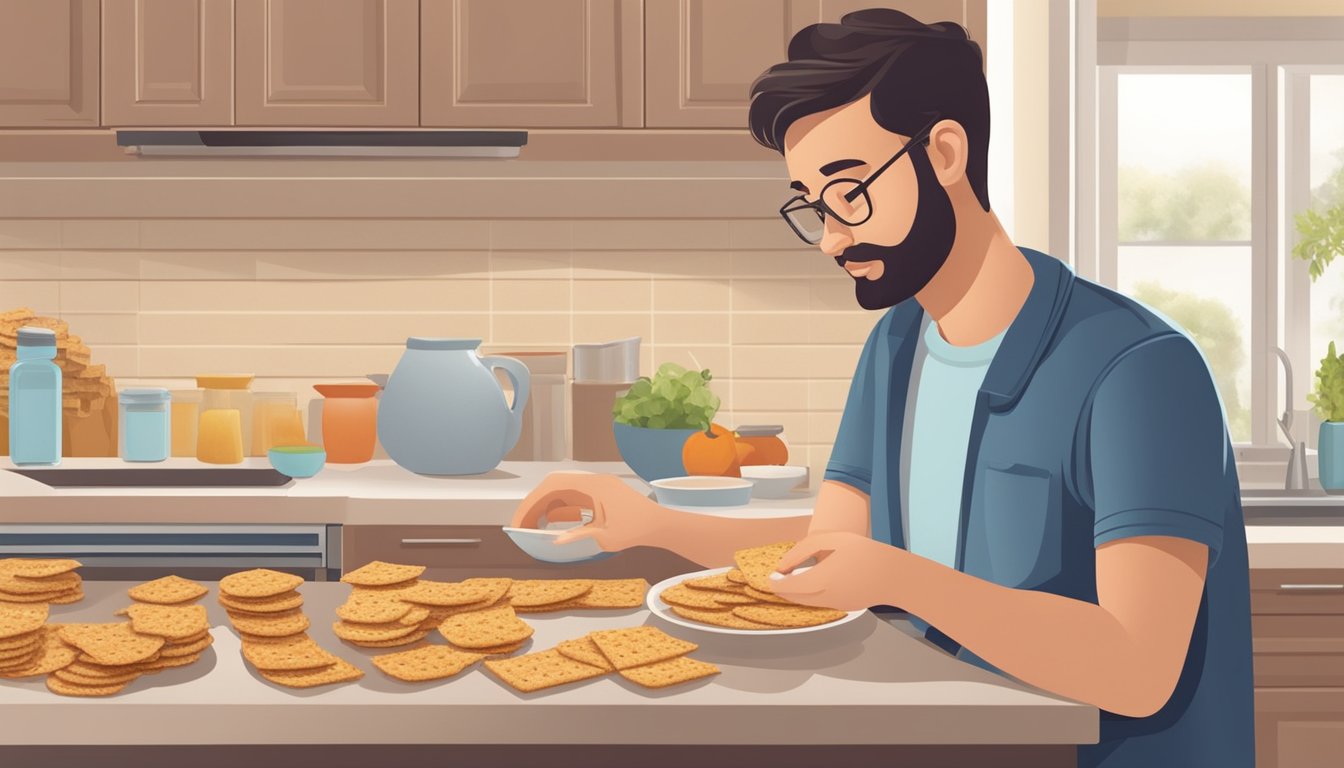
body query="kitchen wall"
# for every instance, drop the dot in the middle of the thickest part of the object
(297, 300)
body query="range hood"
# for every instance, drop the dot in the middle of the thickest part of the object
(457, 143)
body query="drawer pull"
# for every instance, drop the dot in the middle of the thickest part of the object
(1309, 587)
(443, 542)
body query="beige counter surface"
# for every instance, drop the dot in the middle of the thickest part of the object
(867, 682)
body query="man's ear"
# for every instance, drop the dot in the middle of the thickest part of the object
(948, 148)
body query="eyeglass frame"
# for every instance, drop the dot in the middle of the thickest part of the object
(823, 210)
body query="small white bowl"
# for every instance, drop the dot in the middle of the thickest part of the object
(540, 544)
(773, 481)
(702, 491)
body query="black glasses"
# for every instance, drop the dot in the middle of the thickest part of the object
(845, 200)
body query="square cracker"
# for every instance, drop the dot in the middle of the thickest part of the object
(341, 671)
(299, 652)
(442, 594)
(636, 646)
(167, 591)
(373, 607)
(174, 622)
(414, 637)
(432, 662)
(662, 674)
(530, 593)
(544, 669)
(280, 624)
(757, 563)
(615, 593)
(111, 643)
(585, 650)
(485, 629)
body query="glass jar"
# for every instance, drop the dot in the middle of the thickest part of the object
(220, 440)
(35, 399)
(184, 420)
(767, 442)
(349, 421)
(271, 419)
(229, 392)
(144, 429)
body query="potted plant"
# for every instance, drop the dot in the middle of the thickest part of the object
(1328, 398)
(657, 415)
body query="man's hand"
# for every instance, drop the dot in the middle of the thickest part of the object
(622, 516)
(853, 572)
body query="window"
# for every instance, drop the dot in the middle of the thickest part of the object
(1325, 182)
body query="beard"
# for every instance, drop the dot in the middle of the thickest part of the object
(909, 265)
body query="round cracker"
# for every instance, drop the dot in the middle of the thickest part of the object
(188, 649)
(372, 633)
(258, 583)
(75, 678)
(485, 629)
(415, 637)
(38, 567)
(284, 602)
(57, 685)
(277, 624)
(531, 593)
(173, 622)
(301, 652)
(447, 594)
(111, 643)
(340, 672)
(167, 591)
(18, 641)
(373, 608)
(380, 574)
(432, 662)
(16, 620)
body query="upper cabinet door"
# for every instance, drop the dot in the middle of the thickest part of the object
(48, 63)
(529, 63)
(703, 55)
(167, 62)
(328, 62)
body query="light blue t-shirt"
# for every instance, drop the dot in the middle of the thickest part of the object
(944, 383)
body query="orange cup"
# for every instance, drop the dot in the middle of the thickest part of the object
(349, 422)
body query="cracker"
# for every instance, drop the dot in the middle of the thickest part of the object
(635, 646)
(67, 599)
(277, 624)
(17, 663)
(414, 618)
(789, 615)
(736, 576)
(189, 649)
(419, 634)
(22, 650)
(568, 605)
(703, 599)
(31, 597)
(496, 650)
(378, 574)
(95, 681)
(19, 641)
(111, 643)
(527, 593)
(18, 585)
(168, 662)
(719, 618)
(757, 563)
(258, 583)
(98, 672)
(483, 629)
(172, 622)
(544, 669)
(662, 674)
(718, 582)
(57, 685)
(585, 650)
(615, 593)
(767, 597)
(284, 602)
(341, 671)
(167, 591)
(495, 588)
(300, 652)
(178, 642)
(37, 567)
(432, 662)
(371, 633)
(373, 608)
(446, 594)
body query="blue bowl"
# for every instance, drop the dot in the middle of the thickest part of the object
(653, 454)
(297, 460)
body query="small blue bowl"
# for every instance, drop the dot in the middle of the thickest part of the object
(297, 460)
(653, 454)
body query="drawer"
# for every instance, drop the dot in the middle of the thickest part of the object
(1297, 591)
(1298, 650)
(455, 552)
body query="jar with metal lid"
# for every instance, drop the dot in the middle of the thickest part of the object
(145, 434)
(767, 443)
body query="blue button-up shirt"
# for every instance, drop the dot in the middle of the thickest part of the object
(1097, 420)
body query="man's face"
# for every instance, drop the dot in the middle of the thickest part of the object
(894, 253)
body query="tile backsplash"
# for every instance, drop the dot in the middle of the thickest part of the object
(302, 300)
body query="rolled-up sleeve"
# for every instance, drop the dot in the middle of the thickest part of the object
(851, 459)
(1157, 448)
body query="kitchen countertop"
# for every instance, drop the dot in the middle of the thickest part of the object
(867, 682)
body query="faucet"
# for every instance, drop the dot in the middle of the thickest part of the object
(1296, 477)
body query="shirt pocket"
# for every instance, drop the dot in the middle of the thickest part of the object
(1022, 525)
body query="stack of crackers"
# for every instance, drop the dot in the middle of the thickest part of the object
(743, 598)
(28, 645)
(25, 580)
(87, 387)
(264, 608)
(644, 655)
(380, 612)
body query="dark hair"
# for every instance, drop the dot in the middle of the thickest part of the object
(914, 71)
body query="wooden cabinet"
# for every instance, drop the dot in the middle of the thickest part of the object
(48, 63)
(703, 56)
(1297, 620)
(454, 552)
(529, 63)
(327, 62)
(167, 62)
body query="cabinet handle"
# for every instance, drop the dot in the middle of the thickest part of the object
(443, 542)
(1309, 587)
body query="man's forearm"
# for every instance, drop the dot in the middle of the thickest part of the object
(1069, 647)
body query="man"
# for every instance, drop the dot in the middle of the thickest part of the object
(1036, 467)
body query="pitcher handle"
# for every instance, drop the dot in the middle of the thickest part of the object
(522, 387)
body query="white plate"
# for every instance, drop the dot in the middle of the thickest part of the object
(664, 611)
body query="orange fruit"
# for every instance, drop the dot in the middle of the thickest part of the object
(767, 450)
(711, 453)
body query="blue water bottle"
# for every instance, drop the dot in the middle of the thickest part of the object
(35, 399)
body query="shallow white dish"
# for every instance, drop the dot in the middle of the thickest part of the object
(655, 603)
(540, 544)
(774, 482)
(702, 491)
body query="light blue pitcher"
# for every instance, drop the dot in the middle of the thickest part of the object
(443, 411)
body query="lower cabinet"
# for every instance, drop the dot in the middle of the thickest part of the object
(1297, 624)
(455, 552)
